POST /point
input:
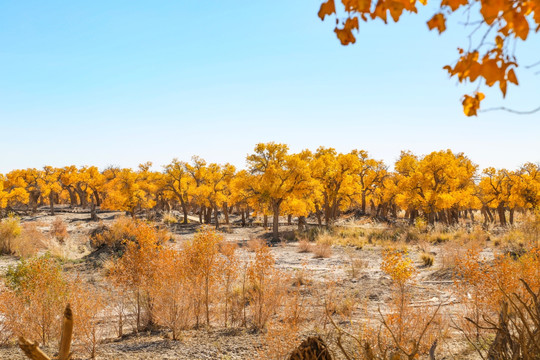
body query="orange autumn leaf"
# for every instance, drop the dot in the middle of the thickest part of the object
(380, 11)
(502, 86)
(490, 10)
(490, 71)
(471, 104)
(512, 77)
(499, 41)
(327, 8)
(357, 5)
(454, 4)
(345, 35)
(437, 21)
(351, 23)
(396, 9)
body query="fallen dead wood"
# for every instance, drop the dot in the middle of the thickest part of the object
(32, 350)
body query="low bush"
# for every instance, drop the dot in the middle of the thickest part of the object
(59, 229)
(356, 265)
(169, 219)
(30, 242)
(304, 246)
(10, 229)
(39, 292)
(323, 247)
(122, 230)
(427, 259)
(254, 244)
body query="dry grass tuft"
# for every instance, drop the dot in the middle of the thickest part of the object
(20, 240)
(169, 219)
(59, 229)
(439, 237)
(323, 246)
(356, 265)
(427, 259)
(10, 229)
(30, 242)
(304, 246)
(255, 244)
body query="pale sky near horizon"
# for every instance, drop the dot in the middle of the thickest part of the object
(124, 82)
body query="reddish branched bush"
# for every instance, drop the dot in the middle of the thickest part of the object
(59, 229)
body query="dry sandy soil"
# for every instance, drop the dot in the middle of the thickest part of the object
(370, 289)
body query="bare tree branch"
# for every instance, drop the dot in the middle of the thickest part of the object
(519, 112)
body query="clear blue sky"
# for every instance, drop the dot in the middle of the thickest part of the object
(123, 82)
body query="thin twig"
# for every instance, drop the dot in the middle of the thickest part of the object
(532, 65)
(519, 112)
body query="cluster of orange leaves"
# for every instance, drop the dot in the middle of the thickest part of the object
(493, 67)
(398, 266)
(482, 284)
(512, 19)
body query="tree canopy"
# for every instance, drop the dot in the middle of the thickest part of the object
(442, 186)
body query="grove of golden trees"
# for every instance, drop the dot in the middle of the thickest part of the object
(440, 187)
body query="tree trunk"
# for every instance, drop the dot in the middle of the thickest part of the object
(363, 203)
(184, 210)
(216, 217)
(208, 217)
(318, 214)
(485, 214)
(83, 197)
(226, 213)
(372, 206)
(431, 218)
(93, 215)
(326, 214)
(444, 217)
(265, 221)
(490, 215)
(413, 215)
(72, 197)
(511, 219)
(51, 202)
(301, 223)
(289, 219)
(98, 199)
(34, 198)
(334, 211)
(243, 218)
(502, 216)
(275, 233)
